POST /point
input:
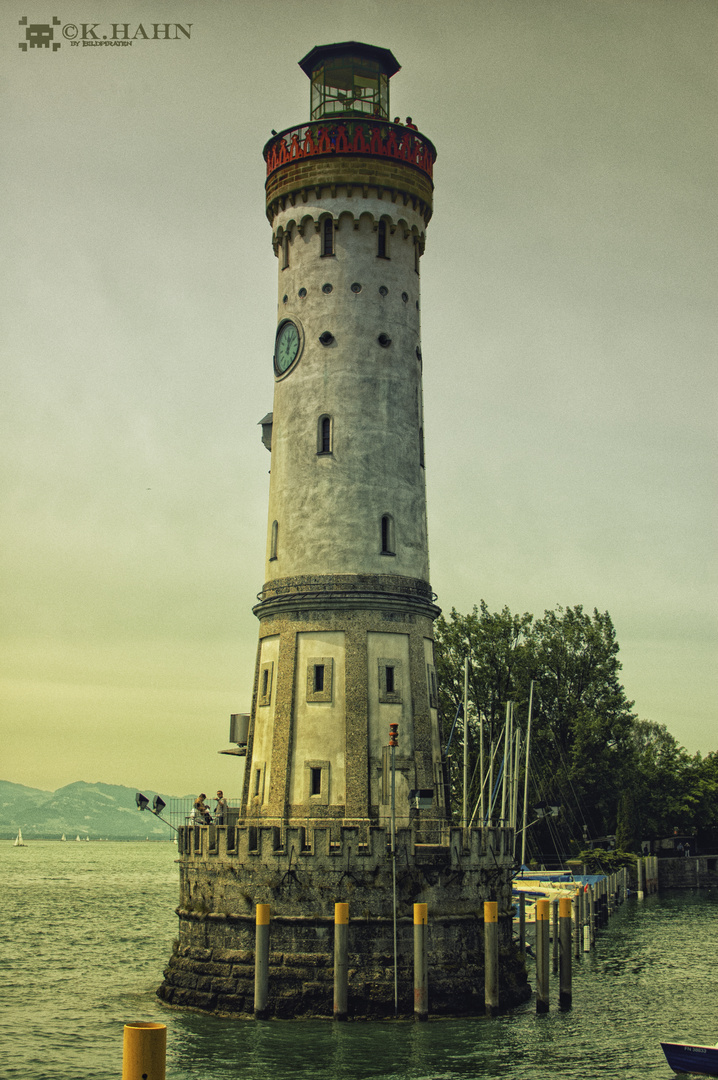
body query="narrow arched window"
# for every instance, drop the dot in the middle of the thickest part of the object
(381, 241)
(421, 447)
(387, 535)
(324, 435)
(328, 237)
(285, 251)
(274, 540)
(417, 253)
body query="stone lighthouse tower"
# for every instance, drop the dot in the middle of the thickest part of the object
(330, 812)
(346, 612)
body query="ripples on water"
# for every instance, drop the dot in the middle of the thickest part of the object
(86, 929)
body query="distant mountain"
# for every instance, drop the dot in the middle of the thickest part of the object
(97, 811)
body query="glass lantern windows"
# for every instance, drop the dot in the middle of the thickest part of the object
(348, 85)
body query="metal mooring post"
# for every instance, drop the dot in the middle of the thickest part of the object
(554, 935)
(542, 949)
(261, 963)
(491, 957)
(144, 1051)
(421, 975)
(565, 995)
(341, 968)
(393, 743)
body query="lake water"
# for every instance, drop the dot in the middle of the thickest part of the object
(86, 929)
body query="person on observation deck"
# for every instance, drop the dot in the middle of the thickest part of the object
(201, 810)
(220, 810)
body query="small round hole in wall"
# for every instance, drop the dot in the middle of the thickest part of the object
(327, 288)
(326, 338)
(405, 297)
(383, 291)
(356, 287)
(302, 293)
(384, 340)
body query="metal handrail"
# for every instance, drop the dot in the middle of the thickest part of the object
(375, 138)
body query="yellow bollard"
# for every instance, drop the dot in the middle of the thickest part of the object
(144, 1051)
(341, 956)
(261, 963)
(421, 976)
(565, 995)
(542, 958)
(491, 957)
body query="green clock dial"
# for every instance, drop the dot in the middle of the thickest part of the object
(287, 346)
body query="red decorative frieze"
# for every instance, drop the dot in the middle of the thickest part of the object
(351, 137)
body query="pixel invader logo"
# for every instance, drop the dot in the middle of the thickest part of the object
(39, 35)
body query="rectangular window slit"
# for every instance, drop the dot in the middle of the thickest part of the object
(316, 782)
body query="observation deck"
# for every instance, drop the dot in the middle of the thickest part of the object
(344, 136)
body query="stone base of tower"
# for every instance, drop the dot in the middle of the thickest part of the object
(301, 873)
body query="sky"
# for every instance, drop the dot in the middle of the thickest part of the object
(568, 336)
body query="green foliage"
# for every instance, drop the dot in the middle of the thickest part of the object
(599, 861)
(609, 772)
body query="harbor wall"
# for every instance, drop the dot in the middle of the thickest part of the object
(691, 872)
(301, 874)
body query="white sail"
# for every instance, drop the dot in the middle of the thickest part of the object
(19, 842)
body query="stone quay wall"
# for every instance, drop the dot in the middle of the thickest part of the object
(301, 873)
(693, 872)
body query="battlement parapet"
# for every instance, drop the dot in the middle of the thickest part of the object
(363, 844)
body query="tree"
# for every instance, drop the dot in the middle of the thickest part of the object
(582, 717)
(496, 647)
(659, 777)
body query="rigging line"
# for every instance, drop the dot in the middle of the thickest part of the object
(580, 819)
(459, 712)
(551, 829)
(486, 780)
(562, 756)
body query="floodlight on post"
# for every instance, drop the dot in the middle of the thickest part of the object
(158, 805)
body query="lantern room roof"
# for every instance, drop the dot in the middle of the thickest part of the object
(384, 57)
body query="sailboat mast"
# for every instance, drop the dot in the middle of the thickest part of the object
(465, 801)
(526, 775)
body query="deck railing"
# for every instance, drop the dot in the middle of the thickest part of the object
(380, 139)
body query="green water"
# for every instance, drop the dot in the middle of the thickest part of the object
(86, 929)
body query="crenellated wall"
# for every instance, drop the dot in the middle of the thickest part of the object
(301, 873)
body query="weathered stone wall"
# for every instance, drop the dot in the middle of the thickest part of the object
(694, 872)
(212, 966)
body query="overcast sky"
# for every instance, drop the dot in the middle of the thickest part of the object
(568, 335)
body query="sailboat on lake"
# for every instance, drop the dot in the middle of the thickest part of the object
(19, 842)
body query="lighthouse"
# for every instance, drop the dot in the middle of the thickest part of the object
(343, 806)
(346, 609)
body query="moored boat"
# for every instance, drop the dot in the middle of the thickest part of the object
(534, 889)
(692, 1058)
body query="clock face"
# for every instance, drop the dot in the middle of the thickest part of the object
(287, 346)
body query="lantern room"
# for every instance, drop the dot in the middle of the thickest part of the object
(349, 79)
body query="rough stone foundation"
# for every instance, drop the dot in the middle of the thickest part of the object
(301, 874)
